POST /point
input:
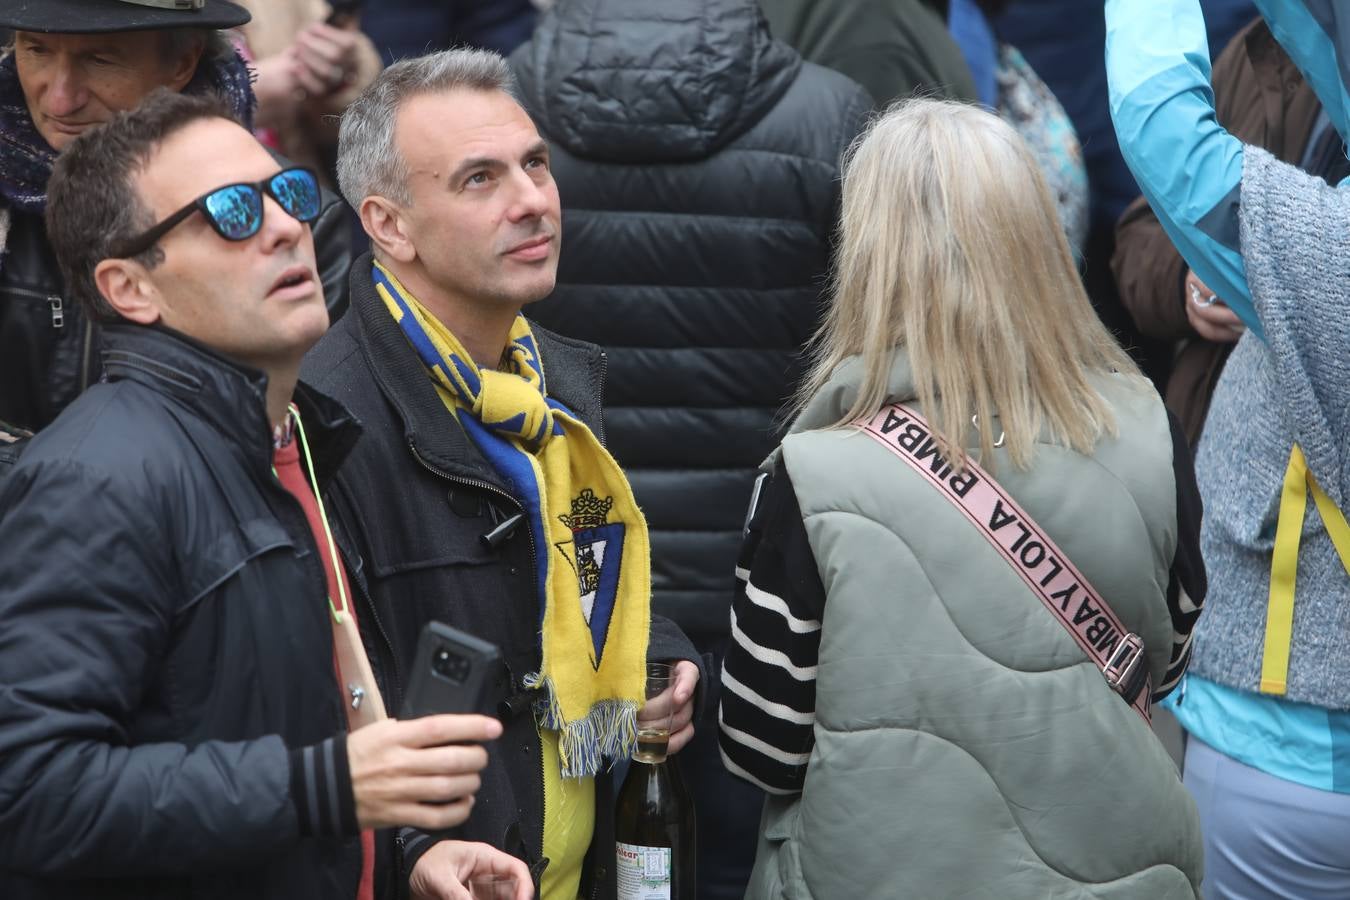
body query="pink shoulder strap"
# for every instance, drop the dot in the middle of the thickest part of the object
(1065, 593)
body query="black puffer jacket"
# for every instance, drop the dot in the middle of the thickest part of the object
(165, 649)
(698, 161)
(413, 504)
(49, 349)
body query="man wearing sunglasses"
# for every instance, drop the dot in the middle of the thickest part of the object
(70, 65)
(175, 689)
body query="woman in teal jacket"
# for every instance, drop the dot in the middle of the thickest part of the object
(1267, 701)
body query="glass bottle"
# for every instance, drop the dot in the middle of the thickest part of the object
(655, 829)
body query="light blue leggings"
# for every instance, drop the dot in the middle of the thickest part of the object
(1266, 837)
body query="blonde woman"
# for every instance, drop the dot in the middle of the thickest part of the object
(925, 723)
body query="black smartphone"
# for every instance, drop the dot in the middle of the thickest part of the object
(344, 12)
(451, 674)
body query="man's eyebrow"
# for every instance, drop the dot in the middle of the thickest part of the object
(476, 162)
(491, 162)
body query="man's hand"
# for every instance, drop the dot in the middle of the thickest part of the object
(326, 57)
(278, 91)
(444, 871)
(403, 773)
(677, 702)
(1208, 315)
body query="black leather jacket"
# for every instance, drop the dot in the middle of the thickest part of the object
(165, 643)
(49, 349)
(412, 504)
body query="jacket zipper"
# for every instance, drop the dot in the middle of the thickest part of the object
(482, 485)
(543, 812)
(57, 305)
(600, 395)
(534, 556)
(86, 362)
(357, 582)
(360, 585)
(54, 301)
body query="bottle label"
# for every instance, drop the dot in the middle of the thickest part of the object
(643, 872)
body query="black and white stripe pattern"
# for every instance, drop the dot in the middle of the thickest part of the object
(767, 716)
(1185, 612)
(321, 789)
(1187, 583)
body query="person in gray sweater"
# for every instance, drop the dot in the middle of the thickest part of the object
(1267, 703)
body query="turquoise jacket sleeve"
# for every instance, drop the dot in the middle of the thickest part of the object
(1187, 165)
(1316, 35)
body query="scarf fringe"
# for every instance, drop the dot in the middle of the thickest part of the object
(609, 730)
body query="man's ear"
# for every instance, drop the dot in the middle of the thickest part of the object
(181, 68)
(387, 228)
(127, 288)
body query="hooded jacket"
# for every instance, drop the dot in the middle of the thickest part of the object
(698, 160)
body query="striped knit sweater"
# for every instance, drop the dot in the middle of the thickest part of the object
(1295, 233)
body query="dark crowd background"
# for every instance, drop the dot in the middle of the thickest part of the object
(940, 47)
(1062, 42)
(1061, 39)
(945, 48)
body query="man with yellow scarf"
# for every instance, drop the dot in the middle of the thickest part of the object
(480, 494)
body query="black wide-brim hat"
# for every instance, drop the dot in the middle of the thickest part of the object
(104, 16)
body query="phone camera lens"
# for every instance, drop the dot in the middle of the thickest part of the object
(450, 665)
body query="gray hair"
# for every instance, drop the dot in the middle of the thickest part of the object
(368, 159)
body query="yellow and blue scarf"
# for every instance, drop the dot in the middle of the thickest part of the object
(594, 562)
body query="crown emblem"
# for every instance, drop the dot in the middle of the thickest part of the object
(588, 511)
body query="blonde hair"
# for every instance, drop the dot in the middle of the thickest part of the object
(950, 246)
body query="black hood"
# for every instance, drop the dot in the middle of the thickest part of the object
(651, 80)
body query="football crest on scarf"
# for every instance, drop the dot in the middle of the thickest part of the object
(594, 553)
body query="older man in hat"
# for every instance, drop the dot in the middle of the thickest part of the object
(71, 66)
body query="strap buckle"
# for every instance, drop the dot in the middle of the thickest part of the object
(1125, 666)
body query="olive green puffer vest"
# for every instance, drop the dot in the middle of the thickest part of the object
(965, 746)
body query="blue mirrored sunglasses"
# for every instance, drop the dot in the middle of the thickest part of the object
(235, 211)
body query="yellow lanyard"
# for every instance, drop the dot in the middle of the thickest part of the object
(1298, 481)
(353, 666)
(338, 612)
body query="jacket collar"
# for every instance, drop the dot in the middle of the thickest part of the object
(231, 397)
(836, 396)
(574, 373)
